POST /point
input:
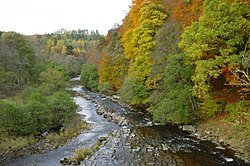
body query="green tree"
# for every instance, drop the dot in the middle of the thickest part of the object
(41, 115)
(52, 80)
(89, 76)
(62, 108)
(133, 93)
(177, 104)
(15, 119)
(167, 39)
(16, 62)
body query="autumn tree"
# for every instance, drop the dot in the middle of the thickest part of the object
(151, 17)
(187, 11)
(113, 65)
(217, 44)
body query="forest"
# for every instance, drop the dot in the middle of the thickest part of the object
(184, 61)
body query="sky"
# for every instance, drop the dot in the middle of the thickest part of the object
(30, 17)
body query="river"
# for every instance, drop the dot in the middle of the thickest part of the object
(139, 141)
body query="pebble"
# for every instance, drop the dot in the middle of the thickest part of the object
(220, 147)
(229, 159)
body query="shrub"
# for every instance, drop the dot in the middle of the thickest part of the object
(106, 89)
(62, 108)
(15, 119)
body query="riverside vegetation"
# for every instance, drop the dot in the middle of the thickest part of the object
(34, 101)
(184, 61)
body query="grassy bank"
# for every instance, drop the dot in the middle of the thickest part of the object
(233, 130)
(17, 146)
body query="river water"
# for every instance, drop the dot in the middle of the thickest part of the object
(140, 142)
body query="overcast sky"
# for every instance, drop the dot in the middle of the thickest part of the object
(47, 16)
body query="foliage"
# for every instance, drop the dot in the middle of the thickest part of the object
(211, 108)
(216, 41)
(187, 11)
(14, 117)
(62, 108)
(16, 62)
(166, 44)
(176, 105)
(239, 112)
(89, 76)
(64, 42)
(132, 92)
(37, 114)
(52, 80)
(41, 107)
(40, 113)
(105, 88)
(113, 65)
(141, 43)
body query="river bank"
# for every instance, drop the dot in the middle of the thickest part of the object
(118, 143)
(215, 130)
(131, 138)
(47, 141)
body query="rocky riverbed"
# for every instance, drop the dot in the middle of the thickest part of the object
(132, 138)
(142, 142)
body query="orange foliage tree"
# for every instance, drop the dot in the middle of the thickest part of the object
(187, 12)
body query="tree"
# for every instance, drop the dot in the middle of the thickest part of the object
(16, 62)
(216, 42)
(142, 43)
(62, 108)
(113, 65)
(176, 104)
(89, 76)
(39, 110)
(15, 119)
(166, 43)
(52, 80)
(187, 11)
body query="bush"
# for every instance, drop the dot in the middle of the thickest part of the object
(239, 112)
(174, 107)
(62, 108)
(52, 80)
(106, 89)
(15, 119)
(38, 114)
(210, 108)
(41, 115)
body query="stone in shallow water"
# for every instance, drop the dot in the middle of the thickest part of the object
(220, 147)
(229, 159)
(189, 128)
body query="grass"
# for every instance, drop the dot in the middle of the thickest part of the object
(10, 143)
(71, 129)
(232, 130)
(81, 154)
